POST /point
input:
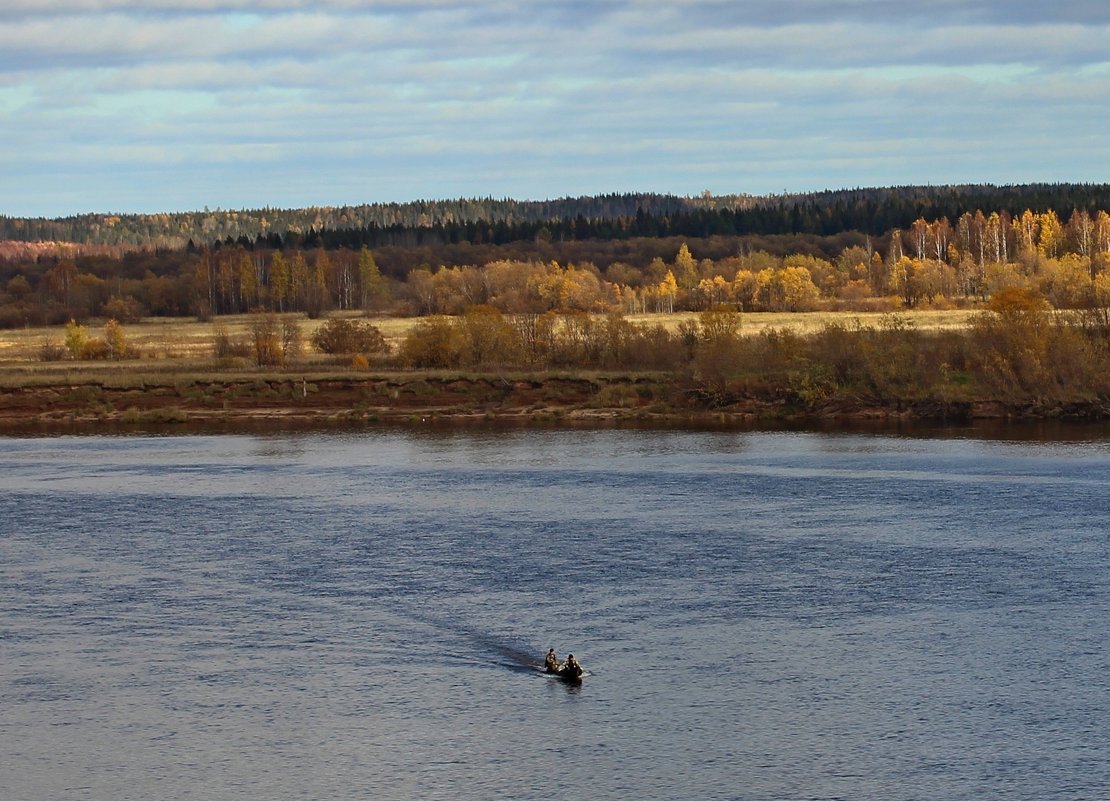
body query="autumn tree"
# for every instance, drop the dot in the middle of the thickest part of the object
(1066, 282)
(1050, 234)
(919, 237)
(76, 337)
(1102, 232)
(1081, 232)
(686, 273)
(300, 282)
(1021, 353)
(115, 339)
(799, 293)
(125, 309)
(280, 281)
(60, 279)
(823, 274)
(249, 282)
(935, 278)
(853, 264)
(316, 290)
(421, 291)
(486, 337)
(268, 340)
(536, 335)
(666, 293)
(714, 291)
(343, 275)
(370, 281)
(745, 289)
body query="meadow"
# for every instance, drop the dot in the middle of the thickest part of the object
(1014, 361)
(167, 344)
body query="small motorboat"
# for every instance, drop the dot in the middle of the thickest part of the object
(571, 673)
(570, 670)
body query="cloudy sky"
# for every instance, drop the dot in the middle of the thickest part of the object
(167, 105)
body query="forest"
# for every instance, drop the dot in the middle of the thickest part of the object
(871, 211)
(934, 263)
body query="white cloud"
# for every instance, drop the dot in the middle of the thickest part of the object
(440, 98)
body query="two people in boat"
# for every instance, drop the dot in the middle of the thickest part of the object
(571, 667)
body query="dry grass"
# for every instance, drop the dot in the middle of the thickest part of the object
(168, 344)
(809, 322)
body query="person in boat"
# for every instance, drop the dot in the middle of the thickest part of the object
(571, 666)
(551, 662)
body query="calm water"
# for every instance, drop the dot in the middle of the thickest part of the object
(355, 616)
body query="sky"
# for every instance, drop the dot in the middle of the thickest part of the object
(144, 106)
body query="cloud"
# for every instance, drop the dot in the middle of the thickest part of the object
(223, 101)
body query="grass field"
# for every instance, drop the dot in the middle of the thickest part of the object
(166, 344)
(807, 322)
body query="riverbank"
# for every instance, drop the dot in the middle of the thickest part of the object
(92, 400)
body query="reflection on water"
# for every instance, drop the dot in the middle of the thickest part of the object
(352, 615)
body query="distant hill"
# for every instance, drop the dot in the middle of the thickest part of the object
(613, 216)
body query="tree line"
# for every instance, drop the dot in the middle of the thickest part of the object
(871, 211)
(933, 263)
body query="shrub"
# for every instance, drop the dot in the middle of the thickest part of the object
(266, 340)
(51, 352)
(96, 350)
(126, 310)
(14, 315)
(433, 342)
(274, 340)
(487, 338)
(227, 349)
(343, 336)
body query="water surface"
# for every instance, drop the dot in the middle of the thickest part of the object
(357, 615)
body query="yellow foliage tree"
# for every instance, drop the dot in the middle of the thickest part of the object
(76, 337)
(799, 293)
(666, 293)
(686, 269)
(1051, 234)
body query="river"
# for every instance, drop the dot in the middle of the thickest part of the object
(356, 615)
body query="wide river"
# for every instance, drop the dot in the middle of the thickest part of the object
(358, 615)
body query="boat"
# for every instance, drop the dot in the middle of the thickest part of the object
(572, 673)
(567, 671)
